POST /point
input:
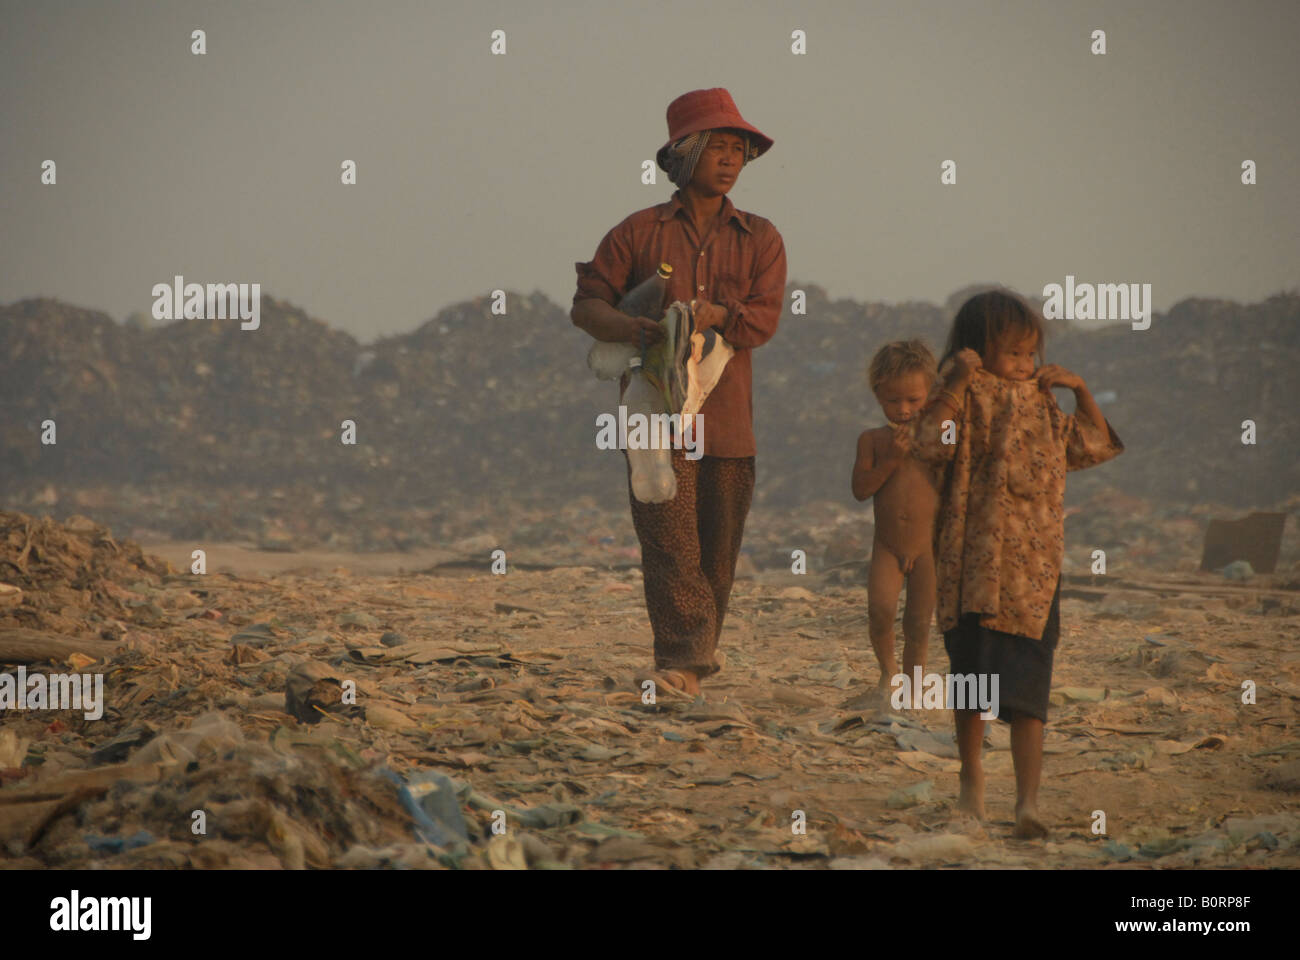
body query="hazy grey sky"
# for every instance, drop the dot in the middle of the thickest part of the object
(478, 171)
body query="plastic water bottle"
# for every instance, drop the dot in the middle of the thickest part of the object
(653, 480)
(646, 299)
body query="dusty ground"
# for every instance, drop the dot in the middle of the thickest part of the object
(523, 688)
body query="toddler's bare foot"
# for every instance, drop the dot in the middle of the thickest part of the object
(1028, 824)
(970, 799)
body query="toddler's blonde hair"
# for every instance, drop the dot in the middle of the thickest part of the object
(900, 357)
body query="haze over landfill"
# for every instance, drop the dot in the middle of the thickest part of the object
(478, 172)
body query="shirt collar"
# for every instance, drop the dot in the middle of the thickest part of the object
(728, 212)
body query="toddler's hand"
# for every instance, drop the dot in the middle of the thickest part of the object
(1053, 375)
(900, 443)
(966, 362)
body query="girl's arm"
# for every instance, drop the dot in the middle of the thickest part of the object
(1090, 440)
(1054, 375)
(1085, 404)
(948, 402)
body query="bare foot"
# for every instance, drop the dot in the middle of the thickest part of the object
(970, 799)
(967, 824)
(884, 691)
(669, 684)
(867, 700)
(1028, 825)
(683, 680)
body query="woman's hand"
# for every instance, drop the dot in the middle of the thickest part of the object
(1053, 375)
(709, 315)
(635, 326)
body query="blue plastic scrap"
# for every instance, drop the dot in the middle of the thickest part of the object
(431, 800)
(119, 844)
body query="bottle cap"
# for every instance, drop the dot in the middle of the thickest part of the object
(666, 269)
(634, 363)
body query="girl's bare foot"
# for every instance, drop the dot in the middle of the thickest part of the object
(884, 695)
(970, 799)
(1028, 824)
(871, 699)
(862, 701)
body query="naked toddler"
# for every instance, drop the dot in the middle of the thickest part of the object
(901, 375)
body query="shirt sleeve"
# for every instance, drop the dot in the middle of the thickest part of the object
(751, 322)
(605, 276)
(1086, 445)
(927, 429)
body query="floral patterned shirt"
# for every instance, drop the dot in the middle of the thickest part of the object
(1000, 532)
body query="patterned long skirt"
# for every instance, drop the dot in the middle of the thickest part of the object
(689, 547)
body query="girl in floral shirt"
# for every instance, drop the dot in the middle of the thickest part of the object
(1005, 446)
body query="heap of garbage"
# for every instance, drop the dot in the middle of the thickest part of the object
(295, 436)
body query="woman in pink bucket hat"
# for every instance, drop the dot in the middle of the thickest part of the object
(731, 264)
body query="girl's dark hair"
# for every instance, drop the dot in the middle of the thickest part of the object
(986, 317)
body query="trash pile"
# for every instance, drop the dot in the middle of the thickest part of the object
(471, 721)
(476, 423)
(468, 407)
(71, 579)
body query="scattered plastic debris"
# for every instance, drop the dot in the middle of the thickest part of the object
(506, 729)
